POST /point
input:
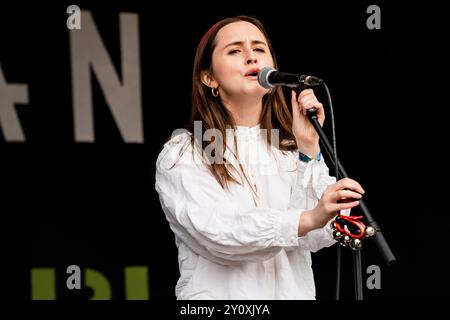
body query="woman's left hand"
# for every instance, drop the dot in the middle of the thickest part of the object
(305, 135)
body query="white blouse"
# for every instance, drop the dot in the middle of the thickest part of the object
(241, 243)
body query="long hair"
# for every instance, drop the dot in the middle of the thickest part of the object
(214, 115)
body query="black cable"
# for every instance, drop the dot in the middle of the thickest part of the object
(336, 174)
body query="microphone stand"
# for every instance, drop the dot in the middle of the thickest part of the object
(378, 237)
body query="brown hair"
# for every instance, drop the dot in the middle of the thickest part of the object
(213, 114)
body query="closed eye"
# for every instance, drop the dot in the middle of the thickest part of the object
(260, 50)
(234, 51)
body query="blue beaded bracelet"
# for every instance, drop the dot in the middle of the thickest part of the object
(303, 157)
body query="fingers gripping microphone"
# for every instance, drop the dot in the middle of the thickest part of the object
(269, 78)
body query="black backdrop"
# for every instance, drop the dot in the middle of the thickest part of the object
(93, 204)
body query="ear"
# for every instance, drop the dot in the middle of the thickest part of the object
(208, 80)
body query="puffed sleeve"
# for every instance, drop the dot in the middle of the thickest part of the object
(201, 214)
(312, 179)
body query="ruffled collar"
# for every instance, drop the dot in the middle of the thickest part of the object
(242, 131)
(244, 136)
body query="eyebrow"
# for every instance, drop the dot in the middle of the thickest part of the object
(240, 43)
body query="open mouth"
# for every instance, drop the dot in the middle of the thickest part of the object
(252, 73)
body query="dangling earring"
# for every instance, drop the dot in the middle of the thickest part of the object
(215, 92)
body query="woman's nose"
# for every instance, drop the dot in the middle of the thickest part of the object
(251, 59)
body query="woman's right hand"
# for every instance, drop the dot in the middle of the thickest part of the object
(336, 197)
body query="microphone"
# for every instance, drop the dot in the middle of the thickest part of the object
(270, 77)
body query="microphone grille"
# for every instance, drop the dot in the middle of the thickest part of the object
(263, 77)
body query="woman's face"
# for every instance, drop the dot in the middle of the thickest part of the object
(241, 51)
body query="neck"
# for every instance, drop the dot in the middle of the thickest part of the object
(245, 112)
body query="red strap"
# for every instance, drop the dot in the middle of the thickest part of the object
(354, 220)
